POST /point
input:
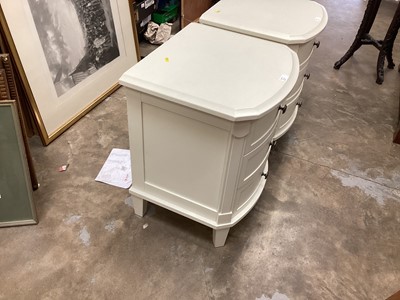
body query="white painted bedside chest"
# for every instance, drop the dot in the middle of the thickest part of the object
(202, 112)
(295, 23)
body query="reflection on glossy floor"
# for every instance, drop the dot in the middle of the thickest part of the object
(326, 226)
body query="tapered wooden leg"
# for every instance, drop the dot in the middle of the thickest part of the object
(140, 206)
(219, 236)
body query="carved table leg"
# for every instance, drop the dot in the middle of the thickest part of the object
(219, 236)
(363, 32)
(396, 137)
(140, 206)
(387, 46)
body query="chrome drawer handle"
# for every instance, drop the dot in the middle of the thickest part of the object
(283, 108)
(316, 44)
(307, 75)
(265, 175)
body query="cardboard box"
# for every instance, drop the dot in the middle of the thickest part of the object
(143, 11)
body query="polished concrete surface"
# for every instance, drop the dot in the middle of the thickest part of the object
(326, 226)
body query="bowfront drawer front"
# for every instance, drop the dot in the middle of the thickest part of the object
(304, 51)
(261, 130)
(303, 74)
(286, 120)
(289, 101)
(255, 161)
(284, 127)
(248, 193)
(304, 64)
(304, 60)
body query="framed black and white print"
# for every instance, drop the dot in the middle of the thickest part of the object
(71, 53)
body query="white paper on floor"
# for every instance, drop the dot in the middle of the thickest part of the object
(117, 169)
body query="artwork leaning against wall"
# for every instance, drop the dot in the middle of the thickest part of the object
(69, 54)
(77, 37)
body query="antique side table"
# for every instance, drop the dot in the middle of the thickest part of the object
(363, 37)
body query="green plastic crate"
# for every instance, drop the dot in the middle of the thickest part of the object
(169, 13)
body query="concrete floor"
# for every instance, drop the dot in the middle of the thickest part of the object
(326, 226)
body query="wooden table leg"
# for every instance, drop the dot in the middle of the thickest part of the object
(396, 137)
(396, 296)
(362, 37)
(387, 46)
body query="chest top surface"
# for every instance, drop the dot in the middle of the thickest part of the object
(283, 21)
(226, 74)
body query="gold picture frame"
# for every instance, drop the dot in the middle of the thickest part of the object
(59, 95)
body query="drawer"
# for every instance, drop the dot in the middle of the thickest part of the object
(304, 64)
(303, 50)
(302, 75)
(292, 98)
(261, 130)
(286, 120)
(246, 193)
(254, 162)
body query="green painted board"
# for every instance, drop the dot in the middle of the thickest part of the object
(16, 200)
